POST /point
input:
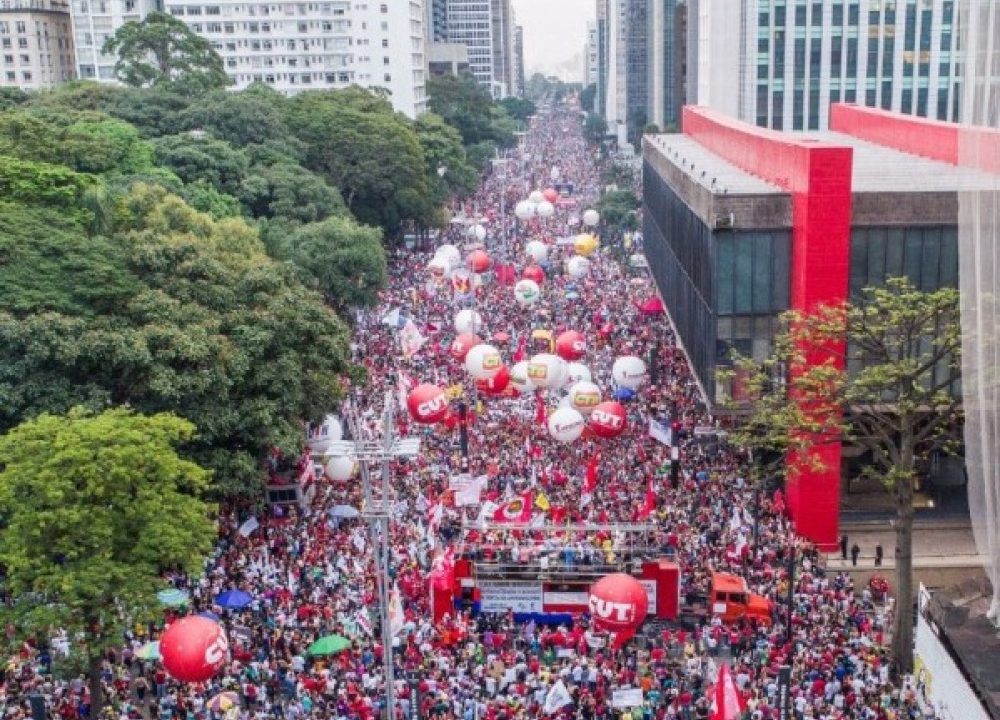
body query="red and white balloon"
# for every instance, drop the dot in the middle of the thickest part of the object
(461, 345)
(546, 371)
(629, 372)
(519, 378)
(618, 603)
(571, 345)
(566, 425)
(527, 293)
(483, 362)
(427, 403)
(608, 420)
(193, 649)
(478, 261)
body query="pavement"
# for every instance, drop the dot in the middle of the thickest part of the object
(937, 543)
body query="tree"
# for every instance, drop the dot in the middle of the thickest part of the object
(343, 260)
(95, 509)
(467, 106)
(289, 191)
(449, 171)
(520, 109)
(595, 127)
(587, 97)
(195, 157)
(618, 211)
(897, 397)
(250, 117)
(162, 50)
(11, 97)
(370, 153)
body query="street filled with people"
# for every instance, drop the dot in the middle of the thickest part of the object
(306, 571)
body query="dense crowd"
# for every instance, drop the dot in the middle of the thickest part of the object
(311, 574)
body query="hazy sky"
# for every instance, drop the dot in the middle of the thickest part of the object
(554, 34)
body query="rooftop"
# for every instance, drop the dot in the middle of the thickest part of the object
(708, 169)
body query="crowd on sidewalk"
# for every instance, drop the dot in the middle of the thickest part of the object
(311, 574)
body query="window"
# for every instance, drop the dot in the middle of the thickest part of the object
(19, 26)
(26, 76)
(9, 59)
(385, 60)
(385, 42)
(11, 75)
(384, 9)
(387, 77)
(6, 43)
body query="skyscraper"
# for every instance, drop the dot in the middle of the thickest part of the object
(437, 21)
(780, 65)
(485, 28)
(667, 23)
(298, 46)
(94, 21)
(37, 40)
(591, 55)
(518, 85)
(636, 33)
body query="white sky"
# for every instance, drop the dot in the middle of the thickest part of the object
(554, 34)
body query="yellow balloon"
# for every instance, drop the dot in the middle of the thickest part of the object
(585, 244)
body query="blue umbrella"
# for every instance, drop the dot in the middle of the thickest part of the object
(233, 599)
(623, 394)
(209, 615)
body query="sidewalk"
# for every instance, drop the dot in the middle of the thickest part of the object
(936, 544)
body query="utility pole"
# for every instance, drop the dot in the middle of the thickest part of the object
(378, 511)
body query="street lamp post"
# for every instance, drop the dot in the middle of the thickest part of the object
(378, 512)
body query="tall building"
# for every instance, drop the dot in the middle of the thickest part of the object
(518, 85)
(636, 32)
(485, 28)
(437, 21)
(667, 23)
(781, 65)
(37, 42)
(615, 100)
(447, 59)
(602, 59)
(591, 56)
(298, 46)
(94, 21)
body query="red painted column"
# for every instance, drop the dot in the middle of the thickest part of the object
(818, 176)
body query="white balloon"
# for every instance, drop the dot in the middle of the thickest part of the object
(468, 321)
(524, 210)
(536, 196)
(584, 396)
(591, 217)
(566, 424)
(483, 362)
(340, 468)
(578, 372)
(554, 173)
(519, 377)
(545, 209)
(578, 266)
(629, 371)
(547, 371)
(319, 437)
(451, 253)
(527, 292)
(439, 266)
(537, 251)
(478, 232)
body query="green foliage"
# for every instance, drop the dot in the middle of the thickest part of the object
(370, 153)
(540, 86)
(519, 109)
(95, 509)
(194, 158)
(41, 183)
(214, 331)
(11, 97)
(205, 198)
(587, 97)
(467, 106)
(618, 209)
(442, 146)
(251, 117)
(343, 260)
(286, 190)
(595, 127)
(161, 50)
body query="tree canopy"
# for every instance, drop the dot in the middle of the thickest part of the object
(467, 106)
(95, 508)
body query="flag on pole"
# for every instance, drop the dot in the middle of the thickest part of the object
(404, 383)
(727, 701)
(542, 502)
(590, 481)
(516, 510)
(410, 339)
(557, 698)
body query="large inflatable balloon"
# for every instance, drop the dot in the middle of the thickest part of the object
(618, 603)
(193, 649)
(340, 468)
(585, 244)
(483, 362)
(527, 292)
(534, 272)
(591, 218)
(578, 267)
(608, 420)
(451, 253)
(478, 232)
(547, 371)
(439, 266)
(478, 261)
(566, 425)
(461, 345)
(468, 322)
(427, 404)
(536, 196)
(519, 378)
(629, 372)
(571, 345)
(524, 210)
(577, 372)
(555, 172)
(550, 194)
(537, 251)
(584, 396)
(545, 209)
(319, 437)
(496, 384)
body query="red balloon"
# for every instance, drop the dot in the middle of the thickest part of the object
(193, 649)
(608, 419)
(534, 272)
(496, 384)
(618, 603)
(478, 261)
(461, 345)
(571, 345)
(427, 404)
(551, 194)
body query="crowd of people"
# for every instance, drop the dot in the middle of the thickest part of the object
(312, 574)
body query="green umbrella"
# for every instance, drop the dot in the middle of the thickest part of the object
(329, 645)
(149, 651)
(172, 597)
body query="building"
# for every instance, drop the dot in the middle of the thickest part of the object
(591, 55)
(667, 62)
(94, 21)
(326, 45)
(37, 44)
(742, 223)
(485, 28)
(502, 17)
(616, 88)
(518, 84)
(602, 59)
(636, 54)
(437, 21)
(781, 65)
(447, 59)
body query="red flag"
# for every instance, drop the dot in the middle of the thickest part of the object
(519, 353)
(727, 700)
(517, 510)
(649, 506)
(540, 411)
(591, 479)
(442, 574)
